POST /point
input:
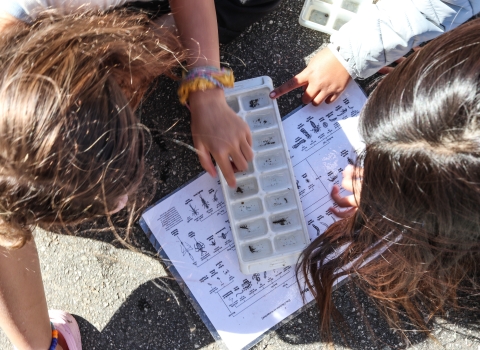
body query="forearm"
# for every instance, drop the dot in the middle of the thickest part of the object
(196, 22)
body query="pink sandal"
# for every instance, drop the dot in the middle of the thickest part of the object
(68, 327)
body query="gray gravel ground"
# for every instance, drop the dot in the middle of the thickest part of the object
(126, 300)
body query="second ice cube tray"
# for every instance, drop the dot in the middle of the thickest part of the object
(264, 208)
(329, 16)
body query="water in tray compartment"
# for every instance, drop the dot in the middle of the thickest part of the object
(289, 242)
(277, 180)
(270, 161)
(350, 5)
(245, 188)
(252, 229)
(247, 208)
(256, 100)
(285, 221)
(319, 17)
(266, 140)
(262, 120)
(246, 172)
(232, 102)
(280, 201)
(256, 250)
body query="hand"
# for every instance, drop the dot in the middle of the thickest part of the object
(218, 131)
(324, 79)
(352, 181)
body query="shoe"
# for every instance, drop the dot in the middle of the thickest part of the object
(68, 327)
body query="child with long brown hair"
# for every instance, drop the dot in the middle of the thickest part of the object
(411, 240)
(71, 147)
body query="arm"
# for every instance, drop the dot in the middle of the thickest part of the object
(216, 129)
(378, 36)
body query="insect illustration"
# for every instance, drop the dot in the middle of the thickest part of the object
(256, 277)
(215, 198)
(305, 132)
(205, 204)
(186, 248)
(199, 247)
(193, 210)
(316, 229)
(316, 127)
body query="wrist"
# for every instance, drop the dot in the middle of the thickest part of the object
(207, 97)
(203, 79)
(342, 60)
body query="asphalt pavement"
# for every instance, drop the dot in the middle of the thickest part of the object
(125, 299)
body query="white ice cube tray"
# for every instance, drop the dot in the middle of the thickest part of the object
(264, 209)
(328, 16)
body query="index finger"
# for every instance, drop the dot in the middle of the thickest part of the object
(226, 166)
(288, 86)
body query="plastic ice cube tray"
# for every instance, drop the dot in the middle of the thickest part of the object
(328, 16)
(264, 209)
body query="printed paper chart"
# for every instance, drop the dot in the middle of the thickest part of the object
(191, 225)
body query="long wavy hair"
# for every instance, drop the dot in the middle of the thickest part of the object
(70, 143)
(413, 246)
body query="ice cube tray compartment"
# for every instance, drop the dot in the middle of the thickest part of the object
(245, 188)
(252, 229)
(233, 104)
(280, 201)
(284, 221)
(328, 16)
(261, 120)
(274, 181)
(247, 208)
(289, 241)
(257, 250)
(270, 161)
(266, 191)
(266, 140)
(351, 5)
(257, 100)
(247, 172)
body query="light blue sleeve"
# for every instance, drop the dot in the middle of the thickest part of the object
(28, 10)
(14, 8)
(389, 29)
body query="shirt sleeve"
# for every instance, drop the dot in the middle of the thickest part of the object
(28, 10)
(387, 30)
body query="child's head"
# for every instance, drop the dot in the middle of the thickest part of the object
(70, 144)
(420, 195)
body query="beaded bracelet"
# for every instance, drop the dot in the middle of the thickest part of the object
(54, 343)
(202, 78)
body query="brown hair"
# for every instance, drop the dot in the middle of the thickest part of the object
(413, 246)
(70, 144)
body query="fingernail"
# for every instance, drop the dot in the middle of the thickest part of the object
(272, 94)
